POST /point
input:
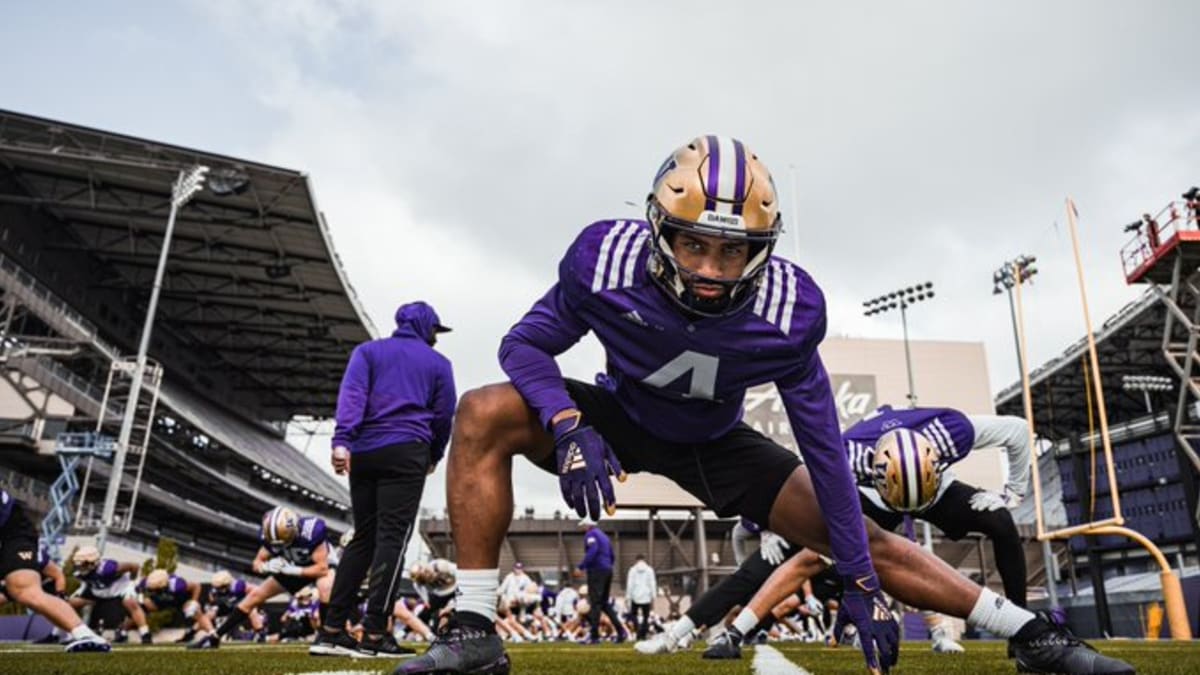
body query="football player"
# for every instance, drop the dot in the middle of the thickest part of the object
(436, 584)
(162, 590)
(224, 593)
(302, 617)
(106, 579)
(54, 582)
(692, 309)
(20, 572)
(294, 553)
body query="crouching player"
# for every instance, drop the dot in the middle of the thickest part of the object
(23, 580)
(302, 617)
(106, 579)
(162, 590)
(294, 554)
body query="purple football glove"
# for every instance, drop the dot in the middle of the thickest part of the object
(878, 632)
(585, 462)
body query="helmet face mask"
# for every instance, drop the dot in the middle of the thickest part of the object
(906, 472)
(86, 558)
(714, 188)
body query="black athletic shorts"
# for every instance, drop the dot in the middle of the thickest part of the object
(292, 584)
(951, 513)
(738, 474)
(18, 543)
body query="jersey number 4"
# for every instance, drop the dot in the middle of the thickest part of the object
(701, 367)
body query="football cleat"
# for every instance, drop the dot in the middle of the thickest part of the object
(382, 647)
(659, 644)
(206, 642)
(727, 645)
(1053, 648)
(333, 643)
(88, 644)
(943, 643)
(459, 649)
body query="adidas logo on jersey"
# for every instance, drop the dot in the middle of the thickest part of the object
(633, 317)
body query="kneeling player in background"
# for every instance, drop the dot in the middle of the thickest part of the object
(108, 579)
(23, 580)
(294, 553)
(162, 590)
(302, 617)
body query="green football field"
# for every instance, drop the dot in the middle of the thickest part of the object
(1150, 658)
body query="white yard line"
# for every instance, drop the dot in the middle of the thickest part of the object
(770, 661)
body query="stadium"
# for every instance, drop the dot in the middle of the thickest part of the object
(191, 349)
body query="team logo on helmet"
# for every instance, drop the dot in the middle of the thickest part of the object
(713, 186)
(157, 580)
(905, 470)
(280, 526)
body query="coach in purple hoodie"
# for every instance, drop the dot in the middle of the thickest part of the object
(393, 421)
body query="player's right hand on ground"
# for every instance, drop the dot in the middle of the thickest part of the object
(585, 462)
(879, 634)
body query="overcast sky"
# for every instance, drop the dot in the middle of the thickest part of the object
(457, 148)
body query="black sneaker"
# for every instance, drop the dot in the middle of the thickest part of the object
(382, 646)
(1052, 648)
(188, 636)
(120, 637)
(727, 645)
(206, 642)
(333, 643)
(147, 640)
(459, 649)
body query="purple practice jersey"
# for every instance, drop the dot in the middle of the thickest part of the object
(103, 576)
(300, 552)
(296, 610)
(681, 378)
(949, 430)
(174, 594)
(227, 597)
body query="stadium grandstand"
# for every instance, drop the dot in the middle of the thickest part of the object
(254, 325)
(1147, 354)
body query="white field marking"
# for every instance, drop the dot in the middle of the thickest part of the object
(770, 661)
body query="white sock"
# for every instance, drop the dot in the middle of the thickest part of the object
(477, 592)
(745, 621)
(143, 630)
(997, 615)
(681, 628)
(82, 632)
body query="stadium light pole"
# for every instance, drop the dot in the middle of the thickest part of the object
(187, 184)
(1018, 271)
(1013, 272)
(1146, 384)
(902, 299)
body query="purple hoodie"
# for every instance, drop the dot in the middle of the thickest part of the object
(398, 389)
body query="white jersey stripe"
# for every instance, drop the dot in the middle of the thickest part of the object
(908, 449)
(635, 251)
(777, 294)
(727, 174)
(614, 272)
(602, 261)
(785, 320)
(763, 291)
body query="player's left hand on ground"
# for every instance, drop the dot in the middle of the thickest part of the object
(985, 500)
(772, 547)
(585, 463)
(879, 634)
